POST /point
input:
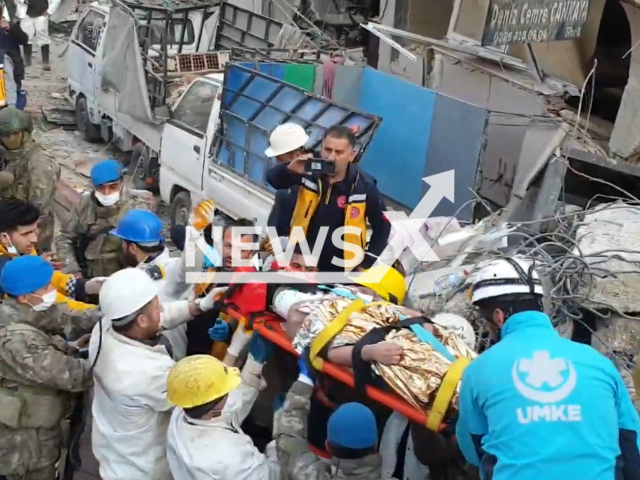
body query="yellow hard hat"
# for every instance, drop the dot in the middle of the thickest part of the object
(386, 282)
(200, 379)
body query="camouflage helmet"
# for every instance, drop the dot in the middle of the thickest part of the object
(13, 120)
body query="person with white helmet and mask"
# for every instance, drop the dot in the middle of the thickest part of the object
(286, 143)
(143, 246)
(131, 365)
(536, 405)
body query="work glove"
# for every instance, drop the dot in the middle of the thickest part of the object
(306, 372)
(260, 348)
(240, 339)
(202, 215)
(220, 332)
(209, 301)
(93, 286)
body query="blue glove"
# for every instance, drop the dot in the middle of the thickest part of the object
(220, 332)
(306, 372)
(260, 348)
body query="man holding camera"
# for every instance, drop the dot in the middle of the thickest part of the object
(330, 193)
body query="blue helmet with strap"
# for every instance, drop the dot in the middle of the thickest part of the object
(140, 226)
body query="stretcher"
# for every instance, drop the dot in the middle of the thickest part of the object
(270, 327)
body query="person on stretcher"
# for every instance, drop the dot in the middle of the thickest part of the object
(308, 311)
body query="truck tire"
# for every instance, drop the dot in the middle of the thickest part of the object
(89, 131)
(180, 209)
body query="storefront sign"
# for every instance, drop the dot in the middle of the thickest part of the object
(534, 21)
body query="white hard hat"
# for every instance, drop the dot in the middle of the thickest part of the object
(286, 138)
(459, 325)
(505, 276)
(125, 292)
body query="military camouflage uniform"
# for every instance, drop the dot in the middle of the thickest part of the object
(37, 377)
(297, 461)
(34, 178)
(103, 254)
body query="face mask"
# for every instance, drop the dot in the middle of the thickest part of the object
(10, 248)
(107, 200)
(48, 299)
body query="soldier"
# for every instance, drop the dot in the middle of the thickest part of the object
(352, 437)
(27, 173)
(84, 244)
(37, 373)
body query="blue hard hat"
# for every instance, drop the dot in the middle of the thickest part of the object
(353, 426)
(25, 274)
(106, 171)
(140, 226)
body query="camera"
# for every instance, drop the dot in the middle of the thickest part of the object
(320, 166)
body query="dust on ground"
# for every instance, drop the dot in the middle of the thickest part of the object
(47, 90)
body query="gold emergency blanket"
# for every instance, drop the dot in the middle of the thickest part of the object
(321, 312)
(421, 370)
(418, 375)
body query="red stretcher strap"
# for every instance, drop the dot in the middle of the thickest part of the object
(269, 326)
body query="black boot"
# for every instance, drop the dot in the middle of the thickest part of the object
(45, 58)
(27, 51)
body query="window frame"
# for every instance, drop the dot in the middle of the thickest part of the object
(91, 50)
(186, 126)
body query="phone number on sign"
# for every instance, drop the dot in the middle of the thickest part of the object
(530, 36)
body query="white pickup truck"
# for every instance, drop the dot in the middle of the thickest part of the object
(128, 61)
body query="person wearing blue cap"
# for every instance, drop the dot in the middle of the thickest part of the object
(38, 374)
(352, 437)
(84, 243)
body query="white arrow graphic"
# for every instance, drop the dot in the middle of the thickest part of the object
(441, 185)
(407, 230)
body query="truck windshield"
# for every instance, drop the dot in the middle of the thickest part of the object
(175, 28)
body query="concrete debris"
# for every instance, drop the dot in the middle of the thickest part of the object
(609, 240)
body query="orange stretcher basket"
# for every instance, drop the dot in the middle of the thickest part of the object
(269, 326)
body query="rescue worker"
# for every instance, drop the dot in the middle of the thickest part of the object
(347, 198)
(28, 174)
(205, 440)
(143, 246)
(11, 37)
(352, 437)
(34, 20)
(286, 143)
(19, 235)
(37, 374)
(132, 362)
(199, 342)
(84, 243)
(536, 405)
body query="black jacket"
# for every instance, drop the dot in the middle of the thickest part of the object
(330, 213)
(10, 41)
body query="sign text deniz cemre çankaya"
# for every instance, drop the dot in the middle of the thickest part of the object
(534, 21)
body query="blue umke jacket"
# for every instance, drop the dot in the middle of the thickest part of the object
(536, 406)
